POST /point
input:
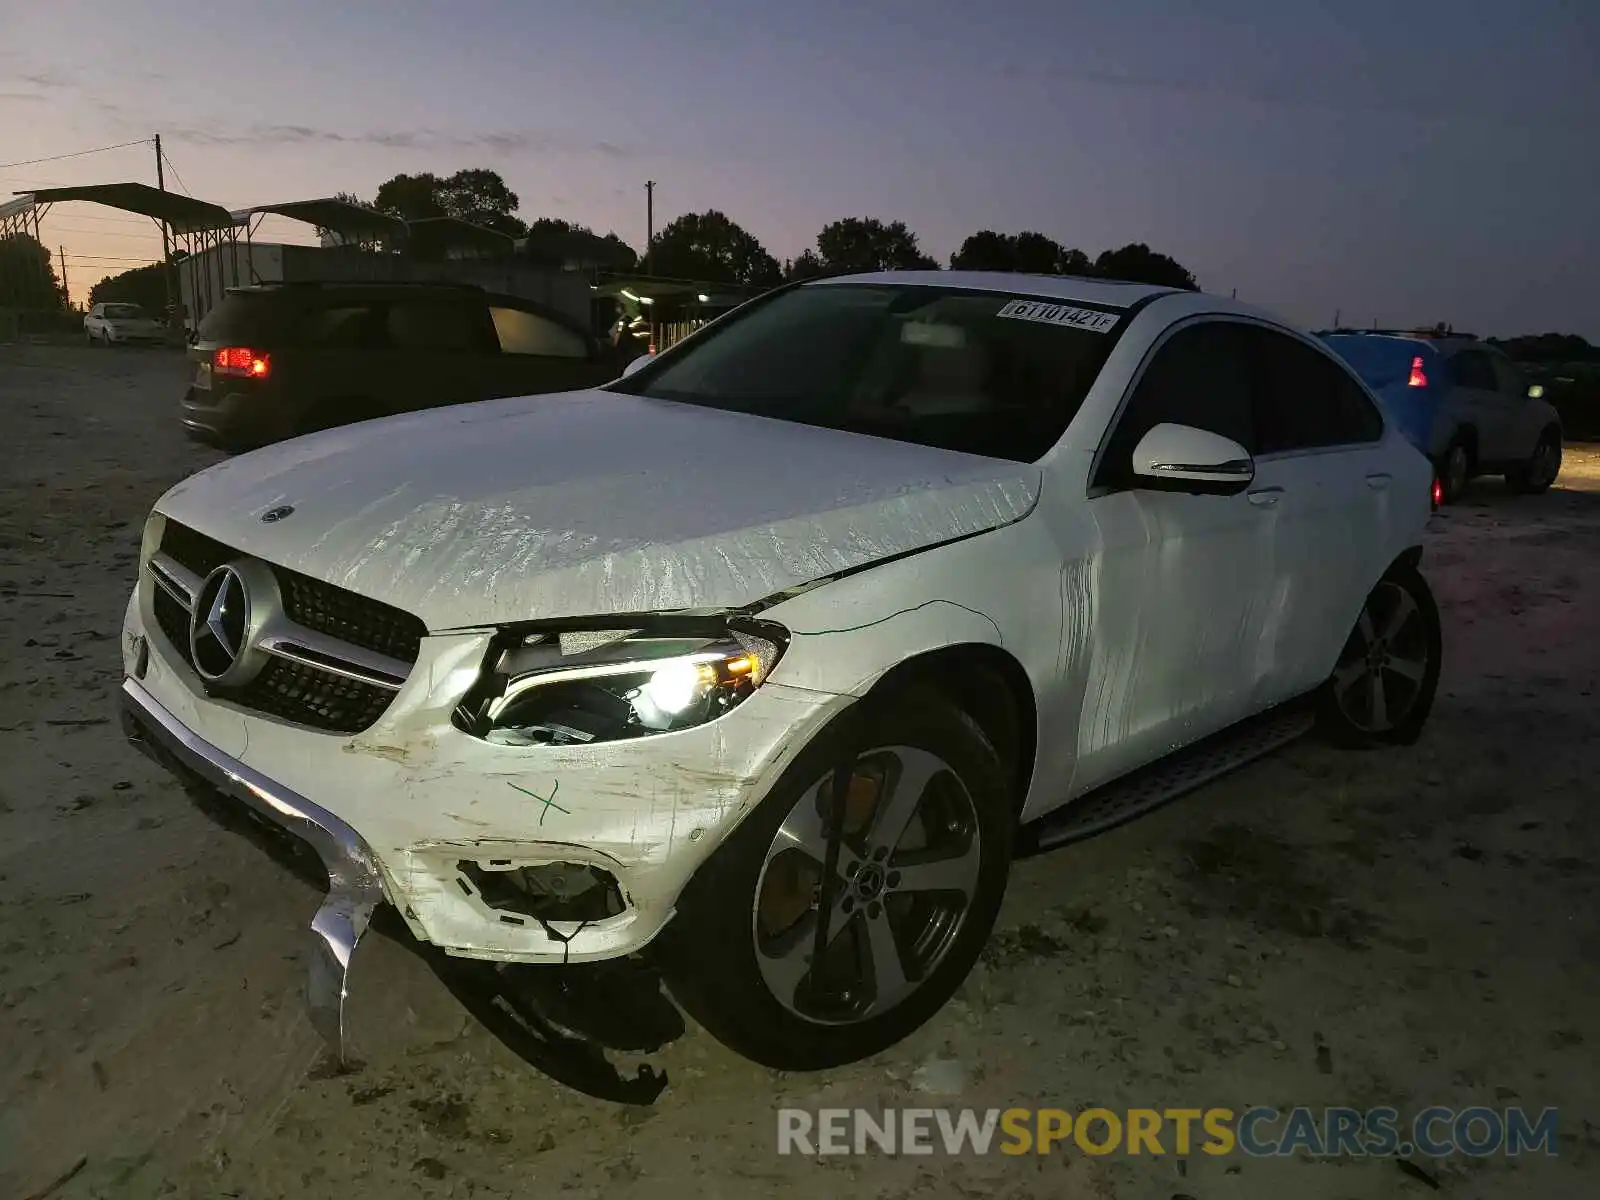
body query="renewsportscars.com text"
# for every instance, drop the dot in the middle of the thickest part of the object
(1434, 1132)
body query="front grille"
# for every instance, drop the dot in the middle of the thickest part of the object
(190, 548)
(338, 613)
(294, 691)
(173, 618)
(313, 697)
(359, 620)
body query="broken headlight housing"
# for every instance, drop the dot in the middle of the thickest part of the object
(574, 686)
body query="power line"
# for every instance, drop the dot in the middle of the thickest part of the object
(109, 233)
(176, 176)
(141, 221)
(28, 162)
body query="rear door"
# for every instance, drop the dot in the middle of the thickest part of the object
(1523, 423)
(1319, 440)
(441, 349)
(333, 353)
(1477, 399)
(540, 351)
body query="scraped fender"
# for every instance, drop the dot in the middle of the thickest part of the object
(846, 634)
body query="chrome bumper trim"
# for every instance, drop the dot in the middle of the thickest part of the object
(355, 884)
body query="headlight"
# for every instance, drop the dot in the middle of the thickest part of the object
(573, 686)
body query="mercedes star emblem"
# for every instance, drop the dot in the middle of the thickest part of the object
(218, 624)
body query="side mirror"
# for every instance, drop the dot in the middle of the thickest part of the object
(636, 364)
(1536, 392)
(1180, 458)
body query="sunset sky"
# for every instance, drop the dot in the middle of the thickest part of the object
(1400, 163)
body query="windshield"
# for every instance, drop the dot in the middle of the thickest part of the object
(978, 372)
(127, 312)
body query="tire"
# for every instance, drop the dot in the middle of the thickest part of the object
(757, 896)
(1455, 471)
(1398, 642)
(1540, 471)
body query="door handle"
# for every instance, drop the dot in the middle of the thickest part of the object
(1378, 482)
(1264, 497)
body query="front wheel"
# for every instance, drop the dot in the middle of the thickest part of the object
(919, 840)
(1388, 672)
(1540, 471)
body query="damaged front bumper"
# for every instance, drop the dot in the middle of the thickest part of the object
(355, 884)
(433, 821)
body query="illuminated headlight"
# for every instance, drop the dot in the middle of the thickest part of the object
(565, 687)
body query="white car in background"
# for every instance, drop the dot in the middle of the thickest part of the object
(115, 324)
(768, 655)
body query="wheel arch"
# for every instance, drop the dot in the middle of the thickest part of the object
(1409, 559)
(988, 684)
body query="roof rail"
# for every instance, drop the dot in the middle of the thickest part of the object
(1418, 334)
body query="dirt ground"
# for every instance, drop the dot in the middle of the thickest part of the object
(1408, 927)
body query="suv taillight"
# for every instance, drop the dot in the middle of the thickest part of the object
(241, 361)
(1419, 377)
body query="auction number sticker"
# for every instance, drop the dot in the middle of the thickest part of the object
(1091, 319)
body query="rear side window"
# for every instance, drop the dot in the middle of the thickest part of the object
(1304, 399)
(247, 319)
(340, 327)
(1199, 377)
(524, 332)
(1472, 369)
(1509, 376)
(433, 326)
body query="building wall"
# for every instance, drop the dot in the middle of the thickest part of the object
(206, 278)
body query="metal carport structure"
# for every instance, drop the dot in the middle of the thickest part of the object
(196, 225)
(358, 225)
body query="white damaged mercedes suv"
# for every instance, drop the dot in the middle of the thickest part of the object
(771, 655)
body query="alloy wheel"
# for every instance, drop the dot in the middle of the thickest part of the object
(907, 856)
(1384, 666)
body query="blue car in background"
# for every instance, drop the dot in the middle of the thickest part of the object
(1461, 402)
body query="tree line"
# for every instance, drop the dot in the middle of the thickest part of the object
(713, 247)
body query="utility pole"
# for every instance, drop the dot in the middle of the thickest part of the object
(1336, 315)
(649, 220)
(66, 294)
(166, 246)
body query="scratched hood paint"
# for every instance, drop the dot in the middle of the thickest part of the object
(591, 503)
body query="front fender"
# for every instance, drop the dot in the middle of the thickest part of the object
(999, 589)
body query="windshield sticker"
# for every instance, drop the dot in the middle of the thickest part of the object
(1061, 314)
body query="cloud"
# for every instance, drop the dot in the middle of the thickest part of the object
(506, 142)
(45, 79)
(24, 97)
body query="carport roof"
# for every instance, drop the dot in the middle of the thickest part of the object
(453, 232)
(184, 214)
(353, 220)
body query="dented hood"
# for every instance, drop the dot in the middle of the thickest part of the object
(590, 503)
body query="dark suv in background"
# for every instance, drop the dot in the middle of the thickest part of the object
(278, 360)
